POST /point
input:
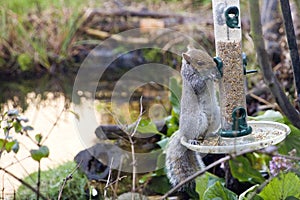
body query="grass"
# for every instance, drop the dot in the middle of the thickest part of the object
(51, 181)
(38, 32)
(25, 6)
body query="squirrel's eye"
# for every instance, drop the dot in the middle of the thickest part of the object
(199, 62)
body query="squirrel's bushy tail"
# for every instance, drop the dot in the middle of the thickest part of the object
(181, 162)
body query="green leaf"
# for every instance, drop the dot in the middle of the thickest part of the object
(204, 182)
(38, 137)
(2, 143)
(159, 184)
(27, 128)
(163, 143)
(9, 145)
(218, 192)
(282, 187)
(245, 195)
(18, 126)
(16, 147)
(38, 154)
(269, 115)
(172, 123)
(25, 62)
(160, 164)
(242, 170)
(145, 178)
(291, 142)
(146, 126)
(175, 96)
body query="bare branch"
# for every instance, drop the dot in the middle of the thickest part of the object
(69, 177)
(53, 126)
(108, 178)
(269, 77)
(23, 182)
(192, 177)
(292, 41)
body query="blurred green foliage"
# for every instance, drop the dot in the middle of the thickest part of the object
(52, 180)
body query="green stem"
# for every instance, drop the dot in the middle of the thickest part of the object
(38, 182)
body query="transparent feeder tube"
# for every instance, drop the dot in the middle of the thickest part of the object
(228, 36)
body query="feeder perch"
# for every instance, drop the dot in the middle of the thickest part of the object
(236, 133)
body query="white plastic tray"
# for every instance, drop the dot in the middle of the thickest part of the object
(264, 134)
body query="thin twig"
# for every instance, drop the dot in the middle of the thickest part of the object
(254, 96)
(132, 146)
(53, 126)
(108, 178)
(69, 177)
(192, 177)
(139, 118)
(115, 181)
(118, 176)
(23, 182)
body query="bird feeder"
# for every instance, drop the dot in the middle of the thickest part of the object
(236, 133)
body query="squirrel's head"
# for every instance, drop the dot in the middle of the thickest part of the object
(200, 60)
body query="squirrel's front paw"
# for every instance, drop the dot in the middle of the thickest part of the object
(194, 142)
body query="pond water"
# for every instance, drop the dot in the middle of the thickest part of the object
(47, 103)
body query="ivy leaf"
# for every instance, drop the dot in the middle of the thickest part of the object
(175, 95)
(146, 126)
(282, 187)
(18, 126)
(38, 154)
(218, 192)
(204, 182)
(38, 137)
(242, 170)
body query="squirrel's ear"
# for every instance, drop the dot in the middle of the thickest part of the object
(186, 57)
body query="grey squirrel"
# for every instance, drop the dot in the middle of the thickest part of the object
(199, 115)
